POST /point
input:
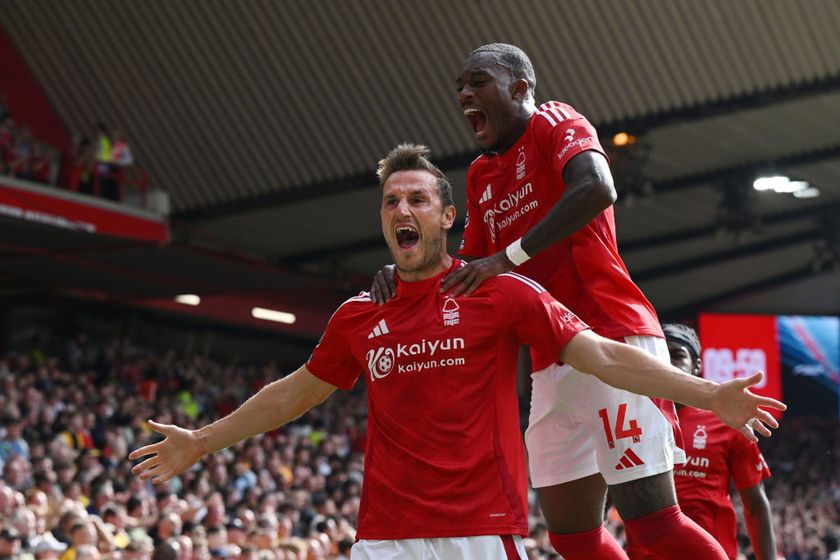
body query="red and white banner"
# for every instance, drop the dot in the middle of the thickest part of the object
(51, 207)
(738, 346)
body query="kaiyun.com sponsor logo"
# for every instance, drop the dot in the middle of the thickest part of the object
(426, 353)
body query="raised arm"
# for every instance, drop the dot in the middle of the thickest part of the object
(589, 191)
(632, 369)
(272, 406)
(759, 522)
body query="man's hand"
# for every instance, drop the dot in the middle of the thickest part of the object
(384, 287)
(468, 278)
(176, 453)
(738, 408)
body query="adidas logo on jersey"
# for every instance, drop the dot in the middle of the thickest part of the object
(629, 460)
(379, 329)
(488, 194)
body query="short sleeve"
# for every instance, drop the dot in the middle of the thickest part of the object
(474, 241)
(534, 316)
(747, 464)
(332, 360)
(570, 133)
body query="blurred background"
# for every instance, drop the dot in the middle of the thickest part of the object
(187, 192)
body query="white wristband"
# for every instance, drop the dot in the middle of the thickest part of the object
(516, 253)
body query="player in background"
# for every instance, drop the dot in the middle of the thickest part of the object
(539, 199)
(716, 456)
(445, 473)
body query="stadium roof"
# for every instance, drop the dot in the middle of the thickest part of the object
(264, 120)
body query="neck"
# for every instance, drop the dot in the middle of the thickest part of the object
(441, 265)
(519, 124)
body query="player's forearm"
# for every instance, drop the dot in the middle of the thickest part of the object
(761, 536)
(272, 406)
(582, 203)
(759, 522)
(589, 191)
(632, 369)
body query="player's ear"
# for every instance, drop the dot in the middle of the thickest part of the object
(697, 368)
(520, 90)
(448, 217)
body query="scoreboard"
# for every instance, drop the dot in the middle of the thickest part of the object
(806, 349)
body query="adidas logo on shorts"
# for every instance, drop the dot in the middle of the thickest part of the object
(629, 460)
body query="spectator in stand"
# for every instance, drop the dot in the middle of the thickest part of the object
(76, 436)
(12, 442)
(87, 552)
(16, 473)
(344, 546)
(165, 551)
(69, 156)
(24, 142)
(48, 548)
(136, 551)
(115, 520)
(236, 532)
(40, 166)
(9, 544)
(120, 151)
(168, 528)
(104, 182)
(103, 144)
(122, 158)
(7, 138)
(20, 159)
(81, 533)
(21, 154)
(24, 522)
(17, 159)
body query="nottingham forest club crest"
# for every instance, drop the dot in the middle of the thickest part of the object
(520, 164)
(700, 437)
(451, 315)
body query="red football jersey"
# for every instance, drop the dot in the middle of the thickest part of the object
(507, 194)
(444, 455)
(716, 454)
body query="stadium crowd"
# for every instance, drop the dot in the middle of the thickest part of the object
(805, 488)
(95, 164)
(21, 154)
(71, 412)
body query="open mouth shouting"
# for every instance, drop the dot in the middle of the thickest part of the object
(407, 236)
(477, 119)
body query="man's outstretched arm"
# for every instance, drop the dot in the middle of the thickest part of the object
(759, 522)
(632, 369)
(272, 406)
(589, 191)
